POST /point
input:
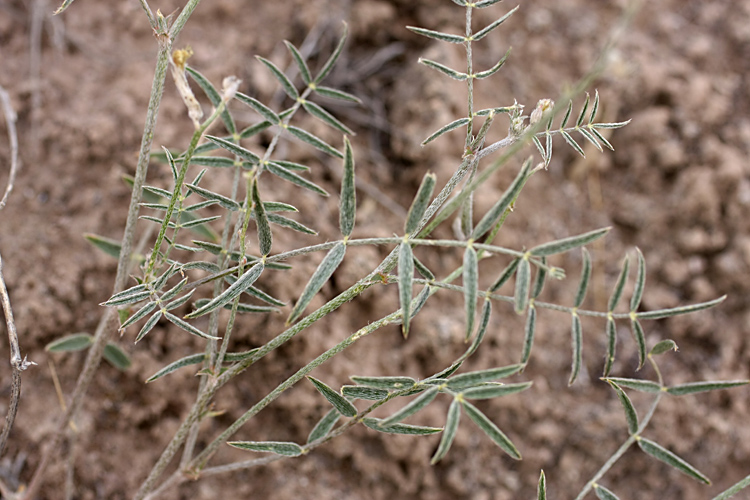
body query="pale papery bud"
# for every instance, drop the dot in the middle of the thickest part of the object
(541, 109)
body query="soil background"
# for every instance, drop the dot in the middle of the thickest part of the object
(677, 187)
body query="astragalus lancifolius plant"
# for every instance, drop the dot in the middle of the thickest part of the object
(213, 255)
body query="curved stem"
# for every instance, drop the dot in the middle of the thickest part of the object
(124, 264)
(10, 122)
(16, 363)
(631, 439)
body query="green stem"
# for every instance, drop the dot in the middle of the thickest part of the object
(470, 80)
(177, 192)
(104, 330)
(629, 442)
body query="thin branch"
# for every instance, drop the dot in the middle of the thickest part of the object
(18, 365)
(10, 120)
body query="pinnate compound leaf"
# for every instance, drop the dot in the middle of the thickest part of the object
(180, 301)
(662, 347)
(225, 202)
(148, 326)
(603, 493)
(420, 204)
(324, 425)
(437, 35)
(413, 430)
(336, 94)
(296, 179)
(69, 343)
(188, 327)
(498, 209)
(494, 69)
(576, 335)
(505, 275)
(541, 275)
(338, 401)
(451, 126)
(234, 357)
(485, 31)
(675, 311)
(290, 165)
(523, 278)
(107, 245)
(286, 84)
(413, 407)
(326, 117)
(669, 458)
(609, 359)
(142, 313)
(348, 201)
(583, 284)
(610, 125)
(636, 384)
(363, 392)
(405, 284)
(492, 431)
(582, 114)
(471, 287)
(328, 66)
(449, 433)
(734, 489)
(640, 340)
(600, 137)
(485, 3)
(216, 161)
(214, 96)
(387, 383)
(484, 321)
(630, 414)
(198, 222)
(528, 340)
(304, 70)
(568, 111)
(589, 136)
(193, 359)
(287, 449)
(228, 295)
(476, 378)
(125, 299)
(492, 390)
(261, 295)
(541, 489)
(594, 107)
(235, 149)
(565, 244)
(328, 265)
(277, 206)
(159, 283)
(267, 113)
(116, 356)
(282, 221)
(541, 149)
(696, 387)
(456, 75)
(265, 237)
(640, 282)
(63, 6)
(619, 285)
(196, 206)
(314, 141)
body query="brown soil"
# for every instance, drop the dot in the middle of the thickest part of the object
(678, 187)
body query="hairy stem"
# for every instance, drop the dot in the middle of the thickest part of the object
(628, 442)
